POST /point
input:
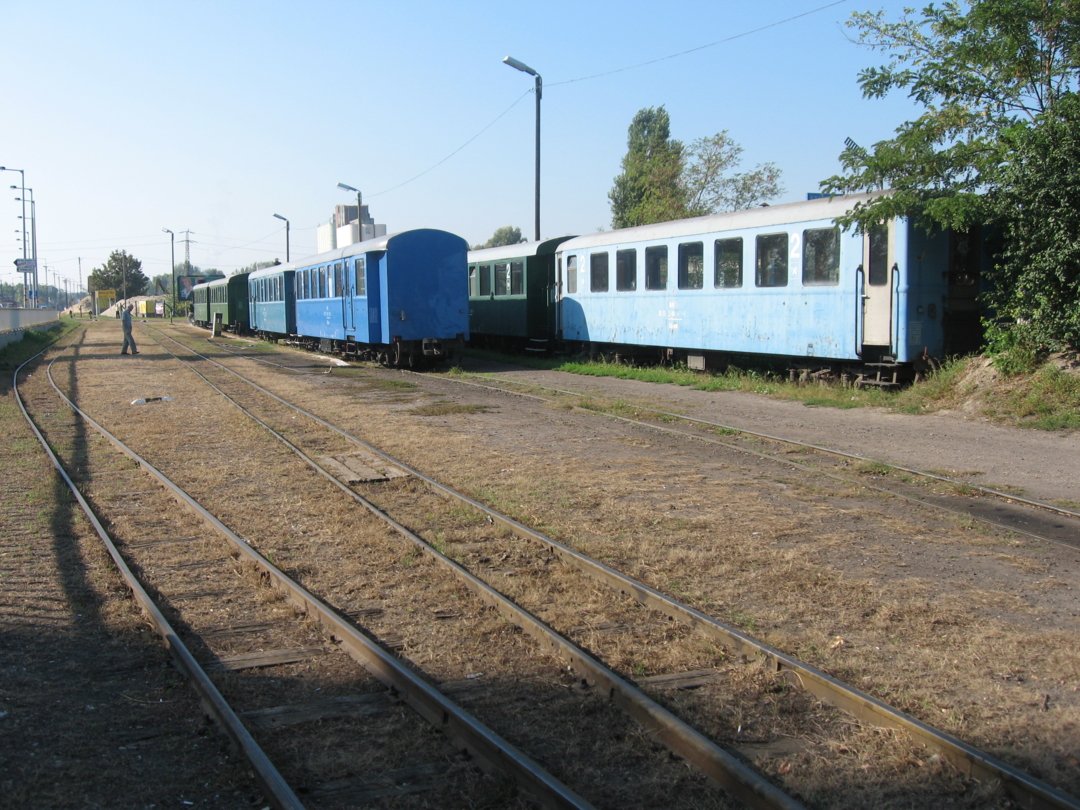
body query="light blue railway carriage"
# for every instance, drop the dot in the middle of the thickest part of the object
(272, 301)
(777, 280)
(402, 299)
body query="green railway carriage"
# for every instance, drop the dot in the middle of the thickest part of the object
(512, 294)
(224, 297)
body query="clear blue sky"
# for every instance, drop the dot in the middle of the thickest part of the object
(210, 117)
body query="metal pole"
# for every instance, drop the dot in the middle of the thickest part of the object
(539, 92)
(519, 65)
(33, 231)
(172, 266)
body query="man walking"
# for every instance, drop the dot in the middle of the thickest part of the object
(125, 324)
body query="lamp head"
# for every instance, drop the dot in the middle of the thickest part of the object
(346, 187)
(516, 65)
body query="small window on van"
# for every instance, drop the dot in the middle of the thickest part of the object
(571, 274)
(361, 277)
(598, 272)
(485, 278)
(771, 262)
(626, 270)
(502, 278)
(691, 266)
(879, 256)
(821, 257)
(656, 267)
(517, 278)
(727, 258)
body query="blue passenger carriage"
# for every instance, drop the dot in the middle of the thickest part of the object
(512, 294)
(272, 301)
(401, 299)
(773, 281)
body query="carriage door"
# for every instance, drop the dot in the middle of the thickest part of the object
(877, 299)
(343, 289)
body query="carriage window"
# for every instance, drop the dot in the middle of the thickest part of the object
(821, 256)
(626, 270)
(771, 262)
(727, 258)
(339, 281)
(656, 268)
(474, 282)
(598, 272)
(517, 278)
(502, 278)
(360, 287)
(879, 256)
(691, 266)
(571, 274)
(485, 279)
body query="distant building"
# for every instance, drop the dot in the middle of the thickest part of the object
(343, 229)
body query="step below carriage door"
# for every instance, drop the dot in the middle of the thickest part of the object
(879, 263)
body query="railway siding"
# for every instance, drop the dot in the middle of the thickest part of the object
(615, 494)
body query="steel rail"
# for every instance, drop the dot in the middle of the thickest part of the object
(269, 778)
(490, 749)
(914, 498)
(983, 490)
(725, 769)
(1028, 791)
(978, 488)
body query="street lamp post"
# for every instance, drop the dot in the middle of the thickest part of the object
(286, 221)
(22, 185)
(359, 210)
(514, 63)
(172, 266)
(33, 240)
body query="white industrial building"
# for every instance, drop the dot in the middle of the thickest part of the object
(344, 229)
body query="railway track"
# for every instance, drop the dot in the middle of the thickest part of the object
(1029, 517)
(234, 632)
(969, 761)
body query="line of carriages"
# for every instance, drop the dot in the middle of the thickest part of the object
(399, 299)
(778, 283)
(773, 283)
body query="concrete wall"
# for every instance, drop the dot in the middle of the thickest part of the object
(13, 322)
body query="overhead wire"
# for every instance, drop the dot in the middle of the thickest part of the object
(612, 72)
(518, 100)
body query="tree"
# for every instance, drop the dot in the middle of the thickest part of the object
(506, 235)
(649, 189)
(997, 80)
(122, 273)
(711, 187)
(1036, 296)
(160, 285)
(978, 69)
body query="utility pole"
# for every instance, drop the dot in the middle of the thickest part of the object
(187, 240)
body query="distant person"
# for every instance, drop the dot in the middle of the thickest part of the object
(125, 325)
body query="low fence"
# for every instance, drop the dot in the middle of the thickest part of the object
(13, 322)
